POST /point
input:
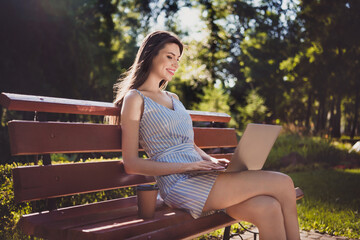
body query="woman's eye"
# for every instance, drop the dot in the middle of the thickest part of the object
(169, 57)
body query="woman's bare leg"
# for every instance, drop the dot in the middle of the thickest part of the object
(263, 211)
(233, 188)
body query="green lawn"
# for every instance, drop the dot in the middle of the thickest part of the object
(332, 201)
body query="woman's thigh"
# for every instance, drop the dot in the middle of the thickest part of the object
(232, 188)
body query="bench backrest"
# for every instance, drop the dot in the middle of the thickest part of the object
(39, 138)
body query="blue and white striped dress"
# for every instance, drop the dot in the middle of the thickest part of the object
(167, 136)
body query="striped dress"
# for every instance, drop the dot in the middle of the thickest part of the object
(167, 136)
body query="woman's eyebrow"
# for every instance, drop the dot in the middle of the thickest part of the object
(172, 54)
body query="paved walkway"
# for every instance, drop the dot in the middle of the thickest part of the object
(303, 235)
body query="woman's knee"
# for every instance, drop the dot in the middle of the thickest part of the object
(269, 205)
(266, 210)
(285, 180)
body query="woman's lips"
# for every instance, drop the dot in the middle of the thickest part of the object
(171, 71)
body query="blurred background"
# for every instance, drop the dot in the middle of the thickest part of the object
(282, 61)
(289, 62)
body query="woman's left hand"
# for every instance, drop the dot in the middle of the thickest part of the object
(220, 161)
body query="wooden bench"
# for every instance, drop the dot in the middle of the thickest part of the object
(110, 219)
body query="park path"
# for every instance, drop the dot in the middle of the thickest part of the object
(312, 235)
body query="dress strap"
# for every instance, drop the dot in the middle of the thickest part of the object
(139, 93)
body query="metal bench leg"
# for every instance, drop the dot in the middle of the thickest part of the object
(247, 230)
(227, 233)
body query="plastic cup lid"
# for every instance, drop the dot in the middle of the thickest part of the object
(148, 187)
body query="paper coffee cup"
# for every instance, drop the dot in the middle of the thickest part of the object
(146, 197)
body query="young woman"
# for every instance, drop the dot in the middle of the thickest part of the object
(158, 121)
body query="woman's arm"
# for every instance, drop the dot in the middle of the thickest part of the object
(207, 157)
(130, 119)
(203, 154)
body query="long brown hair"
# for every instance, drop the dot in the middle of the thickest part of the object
(139, 71)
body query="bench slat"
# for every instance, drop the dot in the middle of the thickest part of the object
(58, 226)
(215, 137)
(228, 156)
(40, 182)
(189, 229)
(33, 224)
(30, 138)
(20, 102)
(124, 228)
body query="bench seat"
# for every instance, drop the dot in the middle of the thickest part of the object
(117, 219)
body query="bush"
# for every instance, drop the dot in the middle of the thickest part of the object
(10, 212)
(293, 151)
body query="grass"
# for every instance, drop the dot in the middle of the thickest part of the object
(332, 201)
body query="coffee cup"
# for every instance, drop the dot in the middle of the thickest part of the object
(146, 197)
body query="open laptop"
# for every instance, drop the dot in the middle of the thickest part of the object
(252, 149)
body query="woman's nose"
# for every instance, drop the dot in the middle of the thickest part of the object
(175, 64)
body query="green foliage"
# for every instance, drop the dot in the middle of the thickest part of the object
(254, 111)
(305, 153)
(213, 100)
(191, 77)
(9, 211)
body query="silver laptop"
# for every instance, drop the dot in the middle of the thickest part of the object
(253, 148)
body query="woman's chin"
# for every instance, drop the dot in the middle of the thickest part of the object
(168, 79)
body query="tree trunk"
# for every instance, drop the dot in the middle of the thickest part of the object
(354, 125)
(332, 116)
(337, 119)
(308, 112)
(320, 118)
(1, 113)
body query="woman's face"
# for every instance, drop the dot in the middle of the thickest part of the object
(165, 64)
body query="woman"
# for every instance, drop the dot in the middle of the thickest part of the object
(158, 121)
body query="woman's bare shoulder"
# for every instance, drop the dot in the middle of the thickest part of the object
(173, 94)
(132, 99)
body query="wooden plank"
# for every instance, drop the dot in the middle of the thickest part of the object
(30, 138)
(32, 224)
(215, 137)
(124, 228)
(189, 229)
(40, 182)
(21, 102)
(299, 193)
(228, 156)
(200, 116)
(57, 226)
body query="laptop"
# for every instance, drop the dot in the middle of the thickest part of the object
(252, 149)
